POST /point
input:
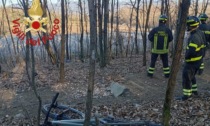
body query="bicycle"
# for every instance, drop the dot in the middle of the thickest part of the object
(67, 116)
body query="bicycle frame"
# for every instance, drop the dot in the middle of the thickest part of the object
(73, 122)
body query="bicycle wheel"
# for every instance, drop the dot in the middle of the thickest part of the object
(63, 112)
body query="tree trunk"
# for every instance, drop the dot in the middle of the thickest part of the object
(130, 27)
(31, 65)
(89, 100)
(181, 25)
(106, 19)
(82, 32)
(100, 34)
(117, 29)
(5, 10)
(196, 8)
(205, 6)
(53, 41)
(62, 72)
(111, 37)
(47, 45)
(145, 34)
(137, 27)
(86, 29)
(67, 30)
(162, 7)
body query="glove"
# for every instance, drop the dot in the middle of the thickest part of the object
(200, 71)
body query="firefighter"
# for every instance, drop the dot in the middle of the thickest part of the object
(206, 29)
(193, 57)
(160, 37)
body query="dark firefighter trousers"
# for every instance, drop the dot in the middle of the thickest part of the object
(164, 58)
(188, 76)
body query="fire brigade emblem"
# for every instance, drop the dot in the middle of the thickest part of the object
(35, 21)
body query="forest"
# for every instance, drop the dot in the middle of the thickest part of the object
(95, 54)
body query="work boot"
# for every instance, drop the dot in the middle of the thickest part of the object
(150, 75)
(167, 75)
(195, 93)
(183, 98)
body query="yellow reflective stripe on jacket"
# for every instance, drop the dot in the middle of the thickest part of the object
(207, 32)
(155, 42)
(194, 59)
(160, 51)
(193, 45)
(196, 46)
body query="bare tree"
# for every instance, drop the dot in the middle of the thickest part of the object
(67, 30)
(82, 32)
(86, 28)
(47, 46)
(30, 64)
(145, 28)
(62, 72)
(130, 26)
(137, 27)
(162, 6)
(196, 8)
(92, 17)
(181, 25)
(204, 7)
(106, 19)
(111, 36)
(5, 10)
(100, 34)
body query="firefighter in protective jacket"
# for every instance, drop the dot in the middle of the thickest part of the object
(206, 29)
(193, 57)
(160, 37)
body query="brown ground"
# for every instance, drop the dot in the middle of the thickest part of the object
(144, 99)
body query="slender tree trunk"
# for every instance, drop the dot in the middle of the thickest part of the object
(92, 17)
(62, 72)
(145, 34)
(5, 10)
(111, 37)
(100, 34)
(106, 19)
(47, 45)
(181, 24)
(82, 32)
(53, 41)
(196, 8)
(117, 28)
(86, 30)
(205, 6)
(31, 65)
(67, 30)
(162, 7)
(70, 35)
(130, 27)
(137, 27)
(167, 6)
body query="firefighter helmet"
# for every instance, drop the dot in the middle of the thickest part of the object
(192, 22)
(203, 17)
(163, 18)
